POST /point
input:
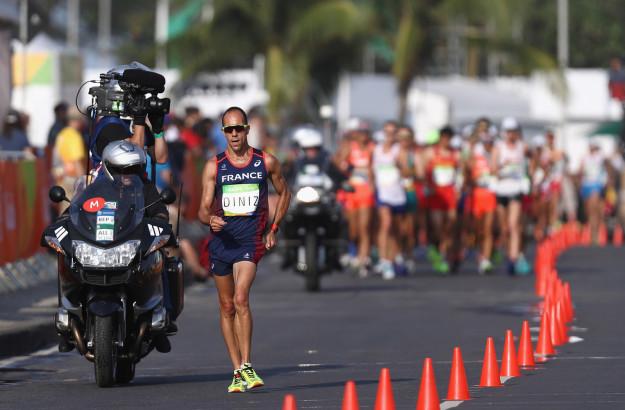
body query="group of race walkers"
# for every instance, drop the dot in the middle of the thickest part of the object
(478, 191)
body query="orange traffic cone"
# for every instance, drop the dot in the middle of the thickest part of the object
(490, 368)
(384, 399)
(569, 301)
(554, 327)
(350, 397)
(526, 351)
(585, 236)
(544, 347)
(458, 386)
(603, 235)
(509, 364)
(428, 394)
(617, 235)
(289, 403)
(564, 336)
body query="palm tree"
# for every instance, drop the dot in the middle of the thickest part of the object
(411, 29)
(300, 40)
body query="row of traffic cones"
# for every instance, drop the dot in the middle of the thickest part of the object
(556, 311)
(458, 389)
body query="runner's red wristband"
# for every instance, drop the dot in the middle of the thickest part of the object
(274, 228)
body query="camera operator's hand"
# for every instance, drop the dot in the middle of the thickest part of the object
(139, 119)
(156, 120)
(138, 113)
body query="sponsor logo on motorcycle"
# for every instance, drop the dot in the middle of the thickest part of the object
(154, 230)
(93, 204)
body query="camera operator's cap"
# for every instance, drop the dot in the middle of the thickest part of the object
(510, 124)
(107, 130)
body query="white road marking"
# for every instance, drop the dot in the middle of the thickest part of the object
(451, 404)
(308, 365)
(575, 339)
(504, 379)
(13, 361)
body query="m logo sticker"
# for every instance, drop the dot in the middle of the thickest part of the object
(93, 204)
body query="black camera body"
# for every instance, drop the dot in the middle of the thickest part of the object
(126, 94)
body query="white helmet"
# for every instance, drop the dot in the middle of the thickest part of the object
(123, 157)
(539, 141)
(308, 137)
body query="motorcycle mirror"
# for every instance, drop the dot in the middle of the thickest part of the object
(168, 196)
(57, 194)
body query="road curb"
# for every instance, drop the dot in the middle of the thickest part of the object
(27, 337)
(25, 273)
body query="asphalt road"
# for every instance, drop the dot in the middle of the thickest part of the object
(310, 344)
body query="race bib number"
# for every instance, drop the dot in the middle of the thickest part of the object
(387, 175)
(444, 176)
(240, 199)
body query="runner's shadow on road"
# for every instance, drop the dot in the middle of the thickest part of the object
(309, 386)
(362, 289)
(220, 377)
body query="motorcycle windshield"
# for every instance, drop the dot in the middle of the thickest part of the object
(106, 210)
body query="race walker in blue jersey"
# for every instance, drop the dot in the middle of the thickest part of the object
(235, 206)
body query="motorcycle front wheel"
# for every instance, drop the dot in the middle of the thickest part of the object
(105, 357)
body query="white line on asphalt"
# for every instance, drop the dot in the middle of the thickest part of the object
(575, 339)
(308, 365)
(451, 404)
(13, 361)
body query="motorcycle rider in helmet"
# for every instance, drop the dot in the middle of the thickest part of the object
(310, 142)
(121, 160)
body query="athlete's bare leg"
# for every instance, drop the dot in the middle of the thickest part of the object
(487, 235)
(364, 240)
(225, 290)
(385, 220)
(514, 226)
(244, 274)
(236, 316)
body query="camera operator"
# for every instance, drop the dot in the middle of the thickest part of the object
(110, 127)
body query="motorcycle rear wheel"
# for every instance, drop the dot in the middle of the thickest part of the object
(312, 268)
(105, 352)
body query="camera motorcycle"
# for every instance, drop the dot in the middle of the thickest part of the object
(110, 263)
(313, 229)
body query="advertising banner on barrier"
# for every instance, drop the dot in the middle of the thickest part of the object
(24, 211)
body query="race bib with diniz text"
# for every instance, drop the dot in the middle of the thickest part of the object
(240, 199)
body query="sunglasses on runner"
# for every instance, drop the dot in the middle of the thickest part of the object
(237, 127)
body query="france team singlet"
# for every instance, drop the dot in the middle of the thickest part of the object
(241, 200)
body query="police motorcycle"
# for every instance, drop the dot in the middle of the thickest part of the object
(111, 305)
(312, 228)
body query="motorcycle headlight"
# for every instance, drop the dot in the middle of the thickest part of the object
(307, 195)
(94, 257)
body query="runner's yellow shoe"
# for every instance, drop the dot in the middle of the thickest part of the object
(237, 385)
(252, 380)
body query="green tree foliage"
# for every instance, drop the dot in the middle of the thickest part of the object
(300, 40)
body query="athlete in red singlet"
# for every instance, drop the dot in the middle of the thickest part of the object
(441, 165)
(354, 157)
